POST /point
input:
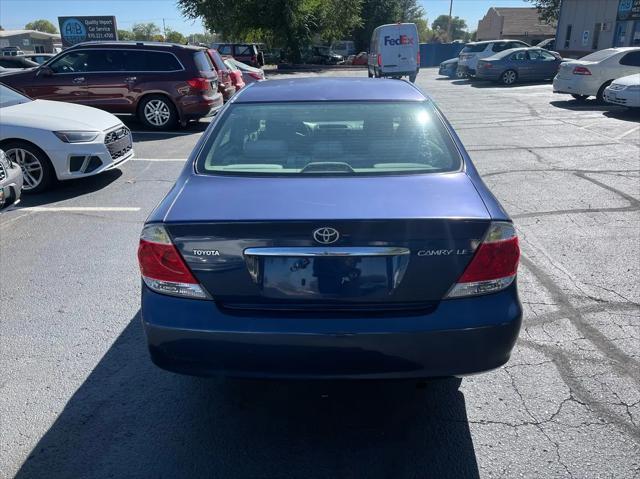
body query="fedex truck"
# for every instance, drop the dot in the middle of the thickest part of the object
(395, 51)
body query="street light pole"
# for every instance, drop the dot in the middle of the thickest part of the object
(449, 25)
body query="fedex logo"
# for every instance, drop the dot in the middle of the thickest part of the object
(401, 40)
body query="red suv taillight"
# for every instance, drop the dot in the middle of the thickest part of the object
(163, 269)
(199, 84)
(581, 71)
(494, 264)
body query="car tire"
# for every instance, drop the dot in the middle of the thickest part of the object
(580, 98)
(369, 73)
(460, 75)
(600, 95)
(413, 76)
(508, 78)
(157, 112)
(37, 171)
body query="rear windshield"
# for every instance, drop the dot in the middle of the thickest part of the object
(203, 62)
(474, 48)
(599, 56)
(330, 138)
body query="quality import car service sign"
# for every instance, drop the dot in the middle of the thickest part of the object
(86, 29)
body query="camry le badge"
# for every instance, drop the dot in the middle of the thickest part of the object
(326, 235)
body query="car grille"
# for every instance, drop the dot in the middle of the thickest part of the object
(118, 142)
(3, 172)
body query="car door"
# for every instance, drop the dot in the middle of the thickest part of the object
(521, 63)
(629, 63)
(547, 65)
(106, 80)
(64, 79)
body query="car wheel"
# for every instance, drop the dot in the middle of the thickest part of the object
(157, 112)
(412, 77)
(579, 97)
(600, 95)
(369, 73)
(509, 77)
(37, 171)
(460, 75)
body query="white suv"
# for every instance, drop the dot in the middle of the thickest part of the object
(472, 52)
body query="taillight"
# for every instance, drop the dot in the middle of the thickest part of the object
(199, 84)
(581, 71)
(379, 60)
(494, 264)
(163, 269)
(255, 75)
(486, 65)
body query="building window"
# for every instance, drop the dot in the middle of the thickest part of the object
(567, 38)
(596, 36)
(635, 38)
(621, 34)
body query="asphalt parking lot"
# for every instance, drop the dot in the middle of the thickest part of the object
(79, 397)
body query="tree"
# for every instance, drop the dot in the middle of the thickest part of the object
(204, 38)
(440, 26)
(288, 23)
(548, 10)
(424, 32)
(41, 25)
(145, 31)
(125, 35)
(175, 37)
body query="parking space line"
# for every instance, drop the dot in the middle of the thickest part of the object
(37, 209)
(160, 160)
(624, 135)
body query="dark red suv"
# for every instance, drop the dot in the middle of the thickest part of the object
(161, 83)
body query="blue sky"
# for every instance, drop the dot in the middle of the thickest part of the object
(15, 14)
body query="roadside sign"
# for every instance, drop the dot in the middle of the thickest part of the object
(628, 10)
(87, 29)
(585, 38)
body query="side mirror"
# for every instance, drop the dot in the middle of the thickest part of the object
(45, 71)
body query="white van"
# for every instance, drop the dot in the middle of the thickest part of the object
(344, 48)
(395, 51)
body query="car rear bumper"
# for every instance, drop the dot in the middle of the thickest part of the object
(465, 70)
(488, 74)
(193, 108)
(459, 337)
(575, 86)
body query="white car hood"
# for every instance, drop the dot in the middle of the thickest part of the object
(56, 115)
(628, 80)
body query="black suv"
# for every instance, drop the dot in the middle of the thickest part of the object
(161, 83)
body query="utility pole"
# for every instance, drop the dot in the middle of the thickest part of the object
(164, 30)
(449, 25)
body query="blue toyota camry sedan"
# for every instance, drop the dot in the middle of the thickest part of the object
(330, 228)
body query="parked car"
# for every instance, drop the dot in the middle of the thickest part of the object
(548, 44)
(394, 51)
(344, 48)
(321, 55)
(39, 58)
(225, 83)
(11, 51)
(591, 75)
(249, 53)
(10, 181)
(53, 140)
(161, 83)
(449, 68)
(359, 59)
(249, 74)
(624, 91)
(236, 74)
(519, 64)
(343, 234)
(17, 62)
(472, 52)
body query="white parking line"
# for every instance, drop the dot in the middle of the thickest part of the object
(79, 208)
(160, 160)
(624, 135)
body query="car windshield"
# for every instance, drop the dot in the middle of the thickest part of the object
(599, 56)
(331, 138)
(9, 97)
